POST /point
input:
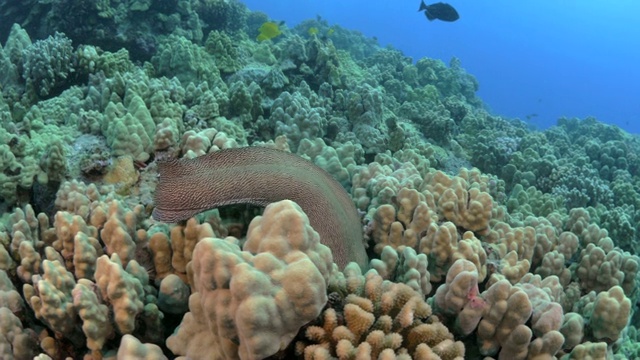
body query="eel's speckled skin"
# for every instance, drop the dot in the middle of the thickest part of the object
(259, 176)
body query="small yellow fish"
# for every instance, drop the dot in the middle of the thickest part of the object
(313, 31)
(268, 30)
(330, 31)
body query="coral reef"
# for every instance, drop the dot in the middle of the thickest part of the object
(483, 238)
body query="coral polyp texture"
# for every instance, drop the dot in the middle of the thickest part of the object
(448, 233)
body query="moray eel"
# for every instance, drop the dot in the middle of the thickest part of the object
(260, 176)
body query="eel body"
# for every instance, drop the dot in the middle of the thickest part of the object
(260, 176)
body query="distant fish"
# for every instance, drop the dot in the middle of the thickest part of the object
(313, 31)
(269, 30)
(326, 35)
(441, 11)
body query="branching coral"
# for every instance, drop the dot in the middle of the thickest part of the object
(47, 63)
(267, 291)
(377, 319)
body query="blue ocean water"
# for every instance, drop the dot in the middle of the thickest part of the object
(534, 60)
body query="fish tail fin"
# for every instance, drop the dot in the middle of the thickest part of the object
(423, 6)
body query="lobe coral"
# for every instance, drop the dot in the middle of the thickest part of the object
(260, 176)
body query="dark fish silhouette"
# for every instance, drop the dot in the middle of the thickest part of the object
(441, 11)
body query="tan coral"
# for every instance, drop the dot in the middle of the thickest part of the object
(9, 296)
(588, 351)
(471, 248)
(327, 158)
(443, 247)
(29, 260)
(567, 244)
(87, 249)
(391, 322)
(600, 268)
(122, 173)
(252, 304)
(377, 184)
(51, 299)
(402, 224)
(161, 255)
(512, 268)
(553, 263)
(460, 286)
(509, 309)
(469, 209)
(438, 244)
(121, 289)
(15, 341)
(404, 266)
(197, 143)
(183, 240)
(611, 312)
(95, 316)
(572, 329)
(132, 348)
(522, 240)
(119, 232)
(67, 226)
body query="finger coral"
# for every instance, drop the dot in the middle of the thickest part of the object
(377, 319)
(250, 304)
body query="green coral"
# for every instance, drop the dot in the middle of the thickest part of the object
(53, 163)
(179, 57)
(220, 45)
(92, 59)
(47, 64)
(221, 15)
